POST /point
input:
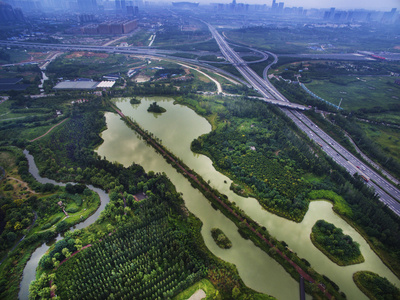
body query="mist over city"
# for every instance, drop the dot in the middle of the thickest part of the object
(199, 149)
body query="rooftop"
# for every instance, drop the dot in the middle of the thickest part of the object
(76, 85)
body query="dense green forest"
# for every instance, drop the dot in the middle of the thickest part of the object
(339, 247)
(376, 287)
(154, 242)
(253, 137)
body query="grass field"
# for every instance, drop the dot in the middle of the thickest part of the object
(358, 92)
(302, 39)
(389, 117)
(388, 138)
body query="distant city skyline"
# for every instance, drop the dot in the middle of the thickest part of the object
(382, 5)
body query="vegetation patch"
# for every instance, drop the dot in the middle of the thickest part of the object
(339, 204)
(151, 257)
(385, 137)
(340, 248)
(220, 238)
(298, 38)
(135, 101)
(245, 143)
(375, 286)
(155, 108)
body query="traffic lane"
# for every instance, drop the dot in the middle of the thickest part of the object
(349, 156)
(384, 197)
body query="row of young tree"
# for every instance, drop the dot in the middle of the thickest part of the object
(137, 262)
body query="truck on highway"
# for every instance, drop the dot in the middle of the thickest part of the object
(359, 172)
(365, 177)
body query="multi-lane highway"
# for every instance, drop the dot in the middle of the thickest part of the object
(387, 193)
(265, 88)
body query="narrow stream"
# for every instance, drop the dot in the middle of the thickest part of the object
(29, 273)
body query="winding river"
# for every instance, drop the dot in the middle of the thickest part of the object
(30, 269)
(177, 128)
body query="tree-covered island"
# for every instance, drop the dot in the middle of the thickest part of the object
(375, 286)
(134, 100)
(155, 108)
(220, 238)
(340, 248)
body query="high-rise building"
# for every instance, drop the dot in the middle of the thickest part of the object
(132, 10)
(87, 5)
(329, 15)
(274, 8)
(117, 4)
(389, 17)
(280, 7)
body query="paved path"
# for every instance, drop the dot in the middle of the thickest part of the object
(198, 295)
(219, 88)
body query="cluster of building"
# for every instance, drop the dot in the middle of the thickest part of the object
(112, 27)
(121, 6)
(279, 9)
(361, 15)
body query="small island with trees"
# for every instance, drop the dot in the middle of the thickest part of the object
(339, 248)
(375, 286)
(135, 101)
(220, 238)
(155, 108)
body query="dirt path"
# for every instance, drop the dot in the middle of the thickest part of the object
(49, 130)
(24, 184)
